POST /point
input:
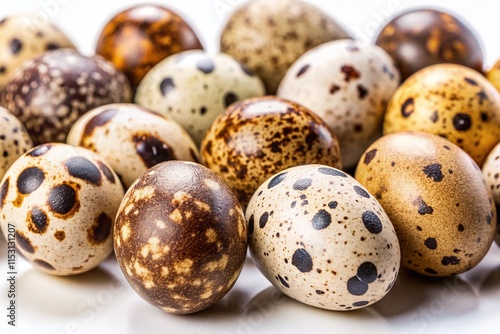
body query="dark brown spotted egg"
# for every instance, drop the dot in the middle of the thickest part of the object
(258, 137)
(193, 88)
(322, 239)
(62, 200)
(491, 172)
(48, 93)
(145, 139)
(451, 101)
(14, 140)
(180, 237)
(348, 85)
(437, 199)
(269, 36)
(21, 39)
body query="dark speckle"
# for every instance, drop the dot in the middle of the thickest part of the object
(84, 169)
(423, 208)
(434, 172)
(263, 219)
(334, 88)
(152, 150)
(470, 81)
(302, 260)
(3, 192)
(367, 272)
(51, 46)
(302, 184)
(372, 222)
(350, 73)
(331, 171)
(361, 192)
(450, 260)
(435, 116)
(24, 243)
(430, 271)
(230, 98)
(203, 110)
(484, 117)
(16, 46)
(106, 171)
(276, 180)
(30, 179)
(166, 86)
(100, 230)
(370, 155)
(408, 107)
(319, 292)
(362, 92)
(251, 225)
(62, 199)
(205, 65)
(332, 205)
(356, 287)
(321, 220)
(361, 303)
(430, 243)
(461, 228)
(303, 70)
(285, 284)
(462, 122)
(38, 221)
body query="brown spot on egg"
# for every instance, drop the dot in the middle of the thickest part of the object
(63, 199)
(97, 121)
(100, 229)
(60, 236)
(350, 73)
(24, 243)
(37, 220)
(152, 150)
(4, 190)
(106, 171)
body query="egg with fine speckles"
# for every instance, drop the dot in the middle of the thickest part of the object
(322, 239)
(491, 172)
(452, 101)
(62, 201)
(258, 137)
(437, 199)
(180, 237)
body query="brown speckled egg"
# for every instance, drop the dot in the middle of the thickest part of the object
(493, 75)
(180, 237)
(132, 139)
(322, 239)
(62, 201)
(193, 88)
(14, 140)
(491, 172)
(268, 36)
(138, 38)
(424, 37)
(348, 85)
(23, 38)
(258, 137)
(48, 93)
(436, 197)
(451, 101)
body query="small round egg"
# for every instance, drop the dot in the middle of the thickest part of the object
(62, 201)
(180, 237)
(269, 36)
(138, 38)
(48, 93)
(451, 101)
(14, 140)
(258, 137)
(145, 139)
(348, 84)
(491, 172)
(423, 37)
(23, 38)
(437, 199)
(193, 88)
(322, 239)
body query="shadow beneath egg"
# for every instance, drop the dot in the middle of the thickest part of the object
(491, 284)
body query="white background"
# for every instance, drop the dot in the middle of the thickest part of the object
(101, 302)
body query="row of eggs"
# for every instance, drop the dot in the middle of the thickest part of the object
(247, 145)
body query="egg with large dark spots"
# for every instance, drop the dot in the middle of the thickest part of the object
(258, 137)
(491, 172)
(62, 200)
(180, 237)
(322, 239)
(437, 199)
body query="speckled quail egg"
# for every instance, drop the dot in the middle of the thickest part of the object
(14, 140)
(347, 84)
(322, 239)
(493, 75)
(180, 237)
(436, 197)
(451, 101)
(48, 93)
(22, 39)
(491, 172)
(193, 88)
(258, 137)
(62, 201)
(145, 139)
(268, 36)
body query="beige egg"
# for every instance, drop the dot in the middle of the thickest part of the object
(258, 137)
(180, 237)
(62, 201)
(347, 84)
(132, 139)
(452, 101)
(436, 197)
(269, 36)
(22, 38)
(322, 239)
(491, 172)
(14, 140)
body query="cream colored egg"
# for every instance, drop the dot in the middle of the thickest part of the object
(491, 172)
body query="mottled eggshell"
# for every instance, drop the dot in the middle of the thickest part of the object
(348, 85)
(180, 237)
(268, 36)
(436, 197)
(322, 239)
(132, 139)
(48, 93)
(14, 140)
(424, 37)
(21, 39)
(491, 172)
(138, 38)
(451, 101)
(258, 137)
(62, 201)
(193, 88)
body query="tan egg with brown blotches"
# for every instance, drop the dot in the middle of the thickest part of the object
(491, 172)
(180, 237)
(436, 198)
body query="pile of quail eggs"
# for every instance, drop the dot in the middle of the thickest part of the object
(361, 157)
